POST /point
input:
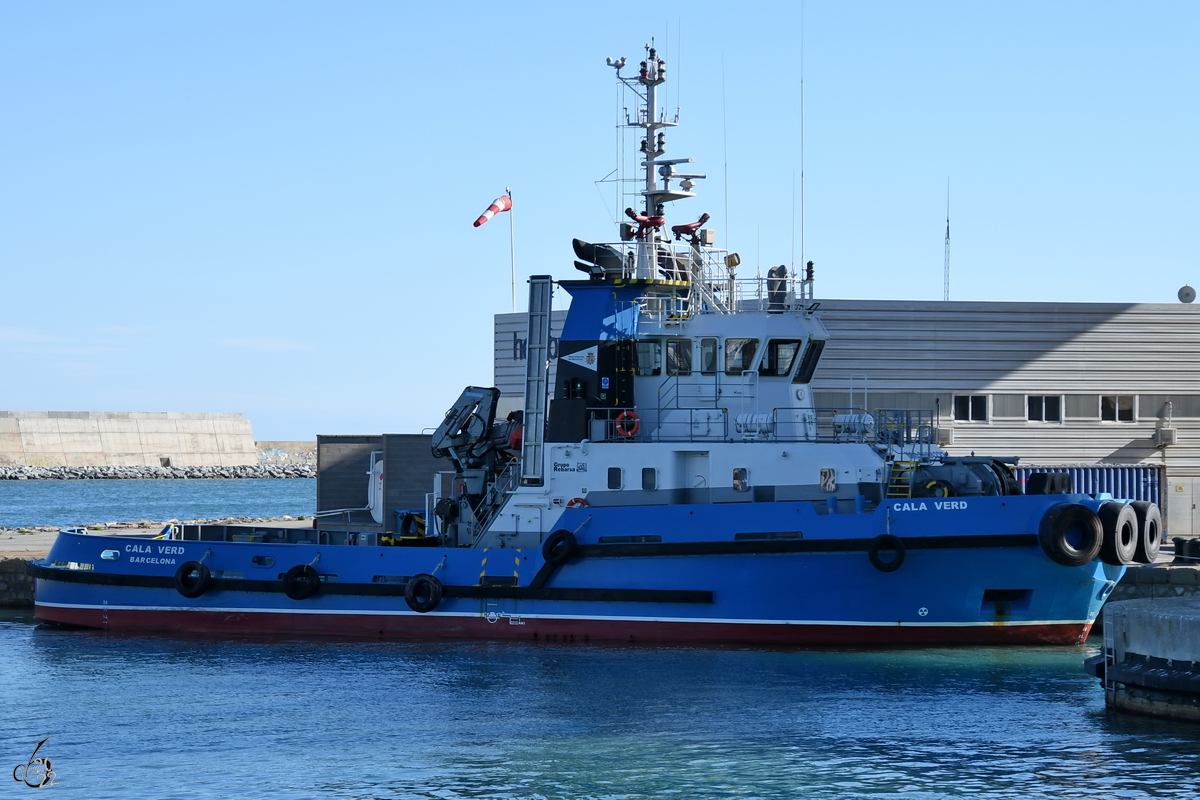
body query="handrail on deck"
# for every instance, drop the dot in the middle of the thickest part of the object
(901, 431)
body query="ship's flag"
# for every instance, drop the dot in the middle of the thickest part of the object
(503, 203)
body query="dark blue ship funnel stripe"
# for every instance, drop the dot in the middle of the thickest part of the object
(601, 312)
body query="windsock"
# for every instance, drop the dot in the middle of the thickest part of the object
(503, 203)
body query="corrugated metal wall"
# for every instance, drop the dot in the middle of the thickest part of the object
(926, 351)
(1127, 483)
(509, 359)
(1076, 348)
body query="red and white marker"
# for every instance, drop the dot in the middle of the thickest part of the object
(503, 203)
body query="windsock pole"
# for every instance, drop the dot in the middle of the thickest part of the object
(512, 249)
(504, 203)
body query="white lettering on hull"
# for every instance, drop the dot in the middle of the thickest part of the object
(938, 505)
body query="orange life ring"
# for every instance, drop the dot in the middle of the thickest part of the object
(624, 430)
(577, 502)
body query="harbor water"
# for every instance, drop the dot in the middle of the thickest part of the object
(169, 717)
(81, 502)
(139, 716)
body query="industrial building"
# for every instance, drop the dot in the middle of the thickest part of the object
(1058, 385)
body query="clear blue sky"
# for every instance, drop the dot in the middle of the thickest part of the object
(266, 207)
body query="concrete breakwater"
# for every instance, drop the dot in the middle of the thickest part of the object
(21, 472)
(125, 438)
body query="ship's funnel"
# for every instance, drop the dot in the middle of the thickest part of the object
(607, 258)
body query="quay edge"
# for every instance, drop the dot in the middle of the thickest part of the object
(1150, 663)
(16, 583)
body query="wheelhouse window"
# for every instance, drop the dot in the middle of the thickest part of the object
(679, 356)
(970, 407)
(648, 357)
(708, 356)
(1116, 408)
(739, 355)
(1044, 408)
(779, 358)
(809, 361)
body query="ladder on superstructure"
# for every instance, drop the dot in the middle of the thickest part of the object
(900, 478)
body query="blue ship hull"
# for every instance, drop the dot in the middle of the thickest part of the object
(772, 573)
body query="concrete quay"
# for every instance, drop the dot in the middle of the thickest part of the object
(1151, 659)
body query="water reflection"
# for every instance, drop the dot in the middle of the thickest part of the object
(208, 718)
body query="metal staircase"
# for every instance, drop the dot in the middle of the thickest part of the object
(900, 478)
(493, 499)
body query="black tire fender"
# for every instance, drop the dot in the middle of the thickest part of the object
(1070, 534)
(886, 541)
(301, 582)
(192, 585)
(408, 525)
(1150, 533)
(423, 592)
(559, 547)
(1120, 526)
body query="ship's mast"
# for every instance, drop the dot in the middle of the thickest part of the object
(652, 73)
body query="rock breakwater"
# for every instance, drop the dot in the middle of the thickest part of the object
(20, 472)
(142, 526)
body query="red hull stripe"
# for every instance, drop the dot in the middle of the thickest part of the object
(448, 626)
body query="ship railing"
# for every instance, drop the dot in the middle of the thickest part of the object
(706, 392)
(713, 286)
(903, 433)
(493, 499)
(908, 434)
(714, 424)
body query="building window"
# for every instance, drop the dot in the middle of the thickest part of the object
(1116, 408)
(679, 356)
(970, 407)
(649, 357)
(739, 355)
(1044, 408)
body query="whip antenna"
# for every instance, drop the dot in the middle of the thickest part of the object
(946, 271)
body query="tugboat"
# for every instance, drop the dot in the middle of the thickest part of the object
(676, 483)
